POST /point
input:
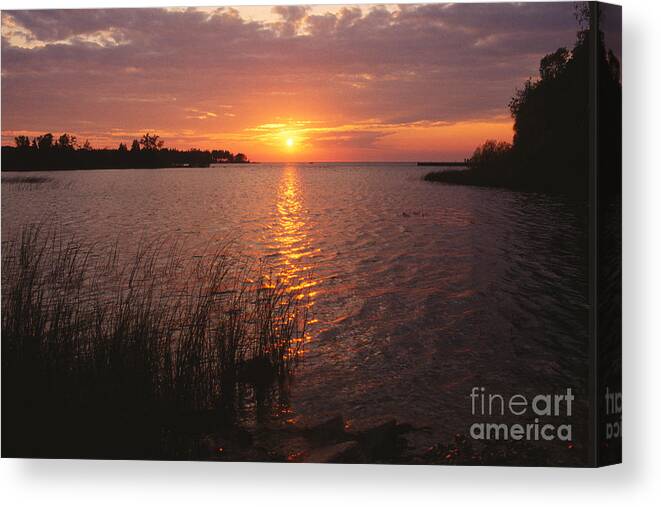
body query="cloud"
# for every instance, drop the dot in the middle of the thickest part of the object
(293, 17)
(126, 68)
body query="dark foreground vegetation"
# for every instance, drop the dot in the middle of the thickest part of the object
(105, 361)
(550, 148)
(45, 152)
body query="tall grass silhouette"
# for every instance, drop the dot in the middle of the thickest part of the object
(105, 358)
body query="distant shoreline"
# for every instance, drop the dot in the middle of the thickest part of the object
(82, 169)
(444, 164)
(220, 164)
(48, 153)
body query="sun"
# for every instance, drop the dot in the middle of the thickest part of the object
(290, 142)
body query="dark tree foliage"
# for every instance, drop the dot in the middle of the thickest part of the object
(551, 124)
(240, 158)
(46, 153)
(151, 142)
(44, 143)
(22, 142)
(551, 144)
(492, 158)
(66, 142)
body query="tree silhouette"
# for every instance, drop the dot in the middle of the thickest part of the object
(151, 143)
(66, 142)
(22, 142)
(550, 148)
(43, 153)
(554, 64)
(44, 142)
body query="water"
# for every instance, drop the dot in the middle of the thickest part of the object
(420, 291)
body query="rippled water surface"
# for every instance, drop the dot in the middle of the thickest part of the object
(420, 290)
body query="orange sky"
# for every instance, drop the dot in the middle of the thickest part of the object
(336, 83)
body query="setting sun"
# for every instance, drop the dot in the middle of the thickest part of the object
(290, 142)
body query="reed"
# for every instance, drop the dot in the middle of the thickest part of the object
(104, 356)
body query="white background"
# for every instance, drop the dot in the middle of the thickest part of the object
(636, 482)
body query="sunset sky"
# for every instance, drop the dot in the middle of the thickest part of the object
(336, 83)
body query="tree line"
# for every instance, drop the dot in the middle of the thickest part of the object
(48, 152)
(550, 148)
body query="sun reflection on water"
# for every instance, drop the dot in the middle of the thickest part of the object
(293, 241)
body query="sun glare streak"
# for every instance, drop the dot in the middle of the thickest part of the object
(292, 240)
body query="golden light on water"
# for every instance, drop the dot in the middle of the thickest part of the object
(292, 239)
(291, 235)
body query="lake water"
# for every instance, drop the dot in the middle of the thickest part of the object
(421, 291)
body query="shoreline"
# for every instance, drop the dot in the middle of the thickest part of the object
(442, 164)
(467, 177)
(62, 170)
(222, 164)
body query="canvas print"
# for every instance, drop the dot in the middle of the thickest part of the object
(381, 234)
